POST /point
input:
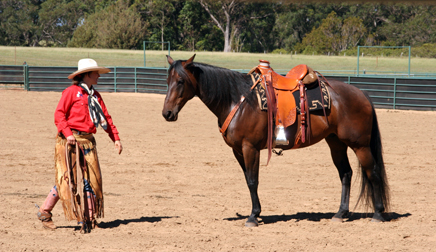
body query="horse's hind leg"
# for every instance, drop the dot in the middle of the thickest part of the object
(338, 151)
(372, 182)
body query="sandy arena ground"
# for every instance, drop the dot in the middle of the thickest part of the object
(177, 186)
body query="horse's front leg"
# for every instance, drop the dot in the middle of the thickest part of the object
(249, 162)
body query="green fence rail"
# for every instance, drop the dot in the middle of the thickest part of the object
(414, 93)
(12, 74)
(386, 91)
(120, 79)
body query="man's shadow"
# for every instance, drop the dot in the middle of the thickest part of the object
(118, 222)
(311, 216)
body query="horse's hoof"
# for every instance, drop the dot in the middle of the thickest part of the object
(378, 217)
(336, 219)
(251, 224)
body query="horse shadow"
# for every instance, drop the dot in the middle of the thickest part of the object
(311, 216)
(118, 222)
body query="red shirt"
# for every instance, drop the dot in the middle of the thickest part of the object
(72, 113)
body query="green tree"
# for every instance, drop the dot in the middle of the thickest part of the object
(295, 20)
(195, 31)
(159, 14)
(333, 35)
(418, 26)
(59, 19)
(18, 22)
(255, 28)
(226, 16)
(117, 26)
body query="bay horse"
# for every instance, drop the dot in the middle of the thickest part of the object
(351, 122)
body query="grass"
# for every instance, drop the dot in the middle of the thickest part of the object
(39, 56)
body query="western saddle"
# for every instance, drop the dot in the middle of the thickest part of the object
(281, 103)
(282, 109)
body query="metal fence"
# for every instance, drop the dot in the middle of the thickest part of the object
(120, 79)
(395, 92)
(12, 74)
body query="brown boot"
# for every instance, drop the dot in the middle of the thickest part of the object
(92, 224)
(47, 222)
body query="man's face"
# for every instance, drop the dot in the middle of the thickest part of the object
(91, 78)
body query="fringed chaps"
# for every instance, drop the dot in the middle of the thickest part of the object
(83, 164)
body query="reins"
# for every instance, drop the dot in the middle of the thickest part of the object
(230, 116)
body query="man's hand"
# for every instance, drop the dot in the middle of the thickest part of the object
(71, 140)
(118, 146)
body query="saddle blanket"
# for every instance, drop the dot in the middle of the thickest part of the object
(313, 97)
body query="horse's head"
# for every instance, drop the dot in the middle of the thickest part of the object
(181, 87)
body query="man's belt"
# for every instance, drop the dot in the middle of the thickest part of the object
(77, 132)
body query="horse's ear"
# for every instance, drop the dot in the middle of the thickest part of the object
(170, 60)
(190, 60)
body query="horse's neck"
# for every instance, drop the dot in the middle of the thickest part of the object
(218, 104)
(219, 108)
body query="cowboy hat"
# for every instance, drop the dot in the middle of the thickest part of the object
(88, 65)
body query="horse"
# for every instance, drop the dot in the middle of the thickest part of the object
(351, 122)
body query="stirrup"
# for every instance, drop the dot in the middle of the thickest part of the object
(280, 136)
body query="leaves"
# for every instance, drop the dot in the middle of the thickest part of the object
(333, 35)
(117, 26)
(229, 25)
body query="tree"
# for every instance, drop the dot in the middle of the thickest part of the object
(352, 32)
(416, 29)
(225, 14)
(117, 26)
(159, 13)
(195, 30)
(333, 35)
(59, 19)
(295, 20)
(255, 33)
(18, 22)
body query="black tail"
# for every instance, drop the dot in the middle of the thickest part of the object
(367, 190)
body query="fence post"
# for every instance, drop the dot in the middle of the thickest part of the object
(26, 76)
(358, 52)
(409, 60)
(115, 79)
(395, 92)
(136, 84)
(143, 48)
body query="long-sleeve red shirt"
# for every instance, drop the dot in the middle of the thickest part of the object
(72, 113)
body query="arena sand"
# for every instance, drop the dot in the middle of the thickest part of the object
(177, 187)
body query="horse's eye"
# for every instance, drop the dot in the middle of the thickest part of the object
(180, 82)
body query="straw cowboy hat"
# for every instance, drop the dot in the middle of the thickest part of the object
(88, 65)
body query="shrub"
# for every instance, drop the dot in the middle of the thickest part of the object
(280, 51)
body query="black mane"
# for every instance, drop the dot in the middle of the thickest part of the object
(218, 86)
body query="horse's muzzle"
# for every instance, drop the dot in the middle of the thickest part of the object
(169, 115)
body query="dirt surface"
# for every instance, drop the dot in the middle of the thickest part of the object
(177, 186)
